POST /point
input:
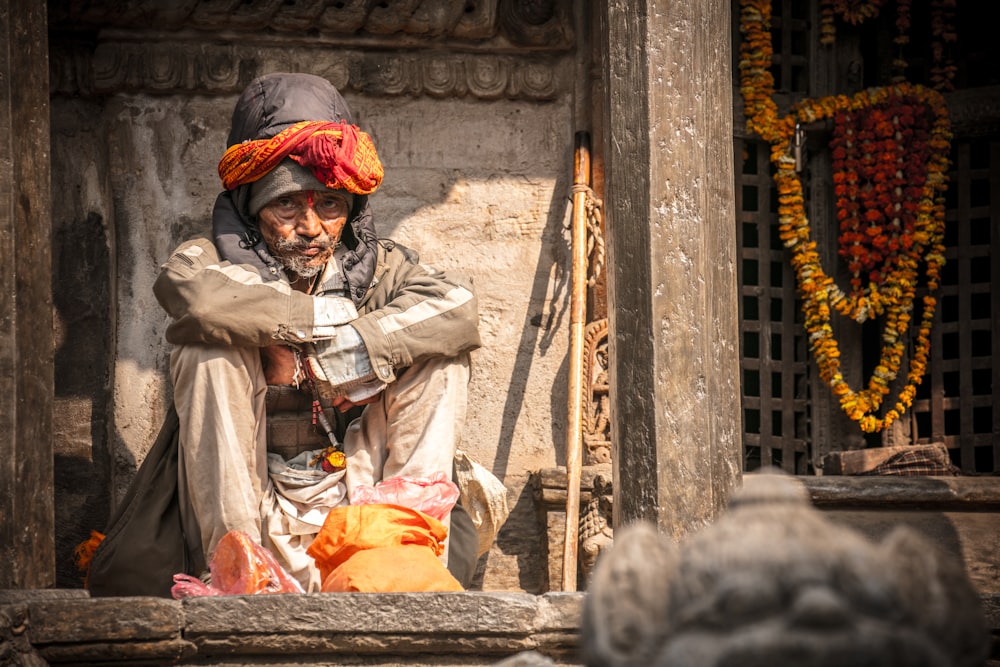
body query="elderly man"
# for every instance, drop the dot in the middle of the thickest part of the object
(295, 313)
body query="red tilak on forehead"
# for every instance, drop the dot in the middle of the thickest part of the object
(309, 197)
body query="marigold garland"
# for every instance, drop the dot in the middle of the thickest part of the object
(851, 11)
(894, 116)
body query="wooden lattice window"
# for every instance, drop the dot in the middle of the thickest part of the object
(790, 417)
(773, 354)
(790, 38)
(960, 404)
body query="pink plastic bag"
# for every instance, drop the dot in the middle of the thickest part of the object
(434, 496)
(239, 566)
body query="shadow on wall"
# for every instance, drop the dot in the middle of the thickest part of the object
(538, 330)
(545, 313)
(83, 304)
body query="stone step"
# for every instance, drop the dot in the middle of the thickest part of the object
(67, 627)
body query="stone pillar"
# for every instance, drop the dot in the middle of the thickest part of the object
(26, 342)
(670, 220)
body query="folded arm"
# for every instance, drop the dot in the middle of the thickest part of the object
(216, 302)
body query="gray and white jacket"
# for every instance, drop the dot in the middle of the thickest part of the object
(409, 312)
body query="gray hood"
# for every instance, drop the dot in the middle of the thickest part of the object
(267, 106)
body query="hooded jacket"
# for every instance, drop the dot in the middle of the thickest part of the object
(267, 106)
(229, 290)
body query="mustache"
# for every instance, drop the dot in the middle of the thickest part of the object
(323, 241)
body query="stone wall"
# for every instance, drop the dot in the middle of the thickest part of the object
(472, 107)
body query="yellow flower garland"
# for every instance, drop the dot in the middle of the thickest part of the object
(895, 297)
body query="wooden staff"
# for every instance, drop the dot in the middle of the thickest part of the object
(577, 323)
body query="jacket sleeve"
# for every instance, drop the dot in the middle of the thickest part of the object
(217, 302)
(420, 312)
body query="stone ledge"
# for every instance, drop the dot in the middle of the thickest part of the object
(940, 493)
(960, 514)
(475, 627)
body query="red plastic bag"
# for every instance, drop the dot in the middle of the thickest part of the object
(239, 566)
(435, 495)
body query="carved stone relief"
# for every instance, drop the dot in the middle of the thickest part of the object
(596, 402)
(161, 68)
(596, 532)
(487, 49)
(481, 24)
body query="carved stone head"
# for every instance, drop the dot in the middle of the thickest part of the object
(773, 582)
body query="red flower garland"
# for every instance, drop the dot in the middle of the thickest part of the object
(880, 159)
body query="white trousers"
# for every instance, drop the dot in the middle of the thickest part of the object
(412, 430)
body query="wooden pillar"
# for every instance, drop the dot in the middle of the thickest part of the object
(673, 310)
(27, 543)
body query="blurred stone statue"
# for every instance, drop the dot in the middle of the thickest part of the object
(773, 582)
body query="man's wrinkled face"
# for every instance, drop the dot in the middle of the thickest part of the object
(301, 229)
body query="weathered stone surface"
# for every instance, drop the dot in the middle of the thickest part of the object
(389, 613)
(959, 515)
(516, 562)
(20, 596)
(559, 611)
(430, 628)
(15, 646)
(971, 493)
(426, 644)
(104, 620)
(167, 651)
(526, 659)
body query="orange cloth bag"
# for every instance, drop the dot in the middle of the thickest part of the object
(381, 549)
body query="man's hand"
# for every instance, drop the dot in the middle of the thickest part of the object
(279, 364)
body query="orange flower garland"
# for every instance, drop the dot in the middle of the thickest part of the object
(852, 11)
(892, 293)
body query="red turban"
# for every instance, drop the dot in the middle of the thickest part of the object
(339, 155)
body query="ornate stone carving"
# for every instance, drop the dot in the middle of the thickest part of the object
(489, 49)
(545, 24)
(774, 582)
(596, 403)
(596, 533)
(536, 22)
(212, 69)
